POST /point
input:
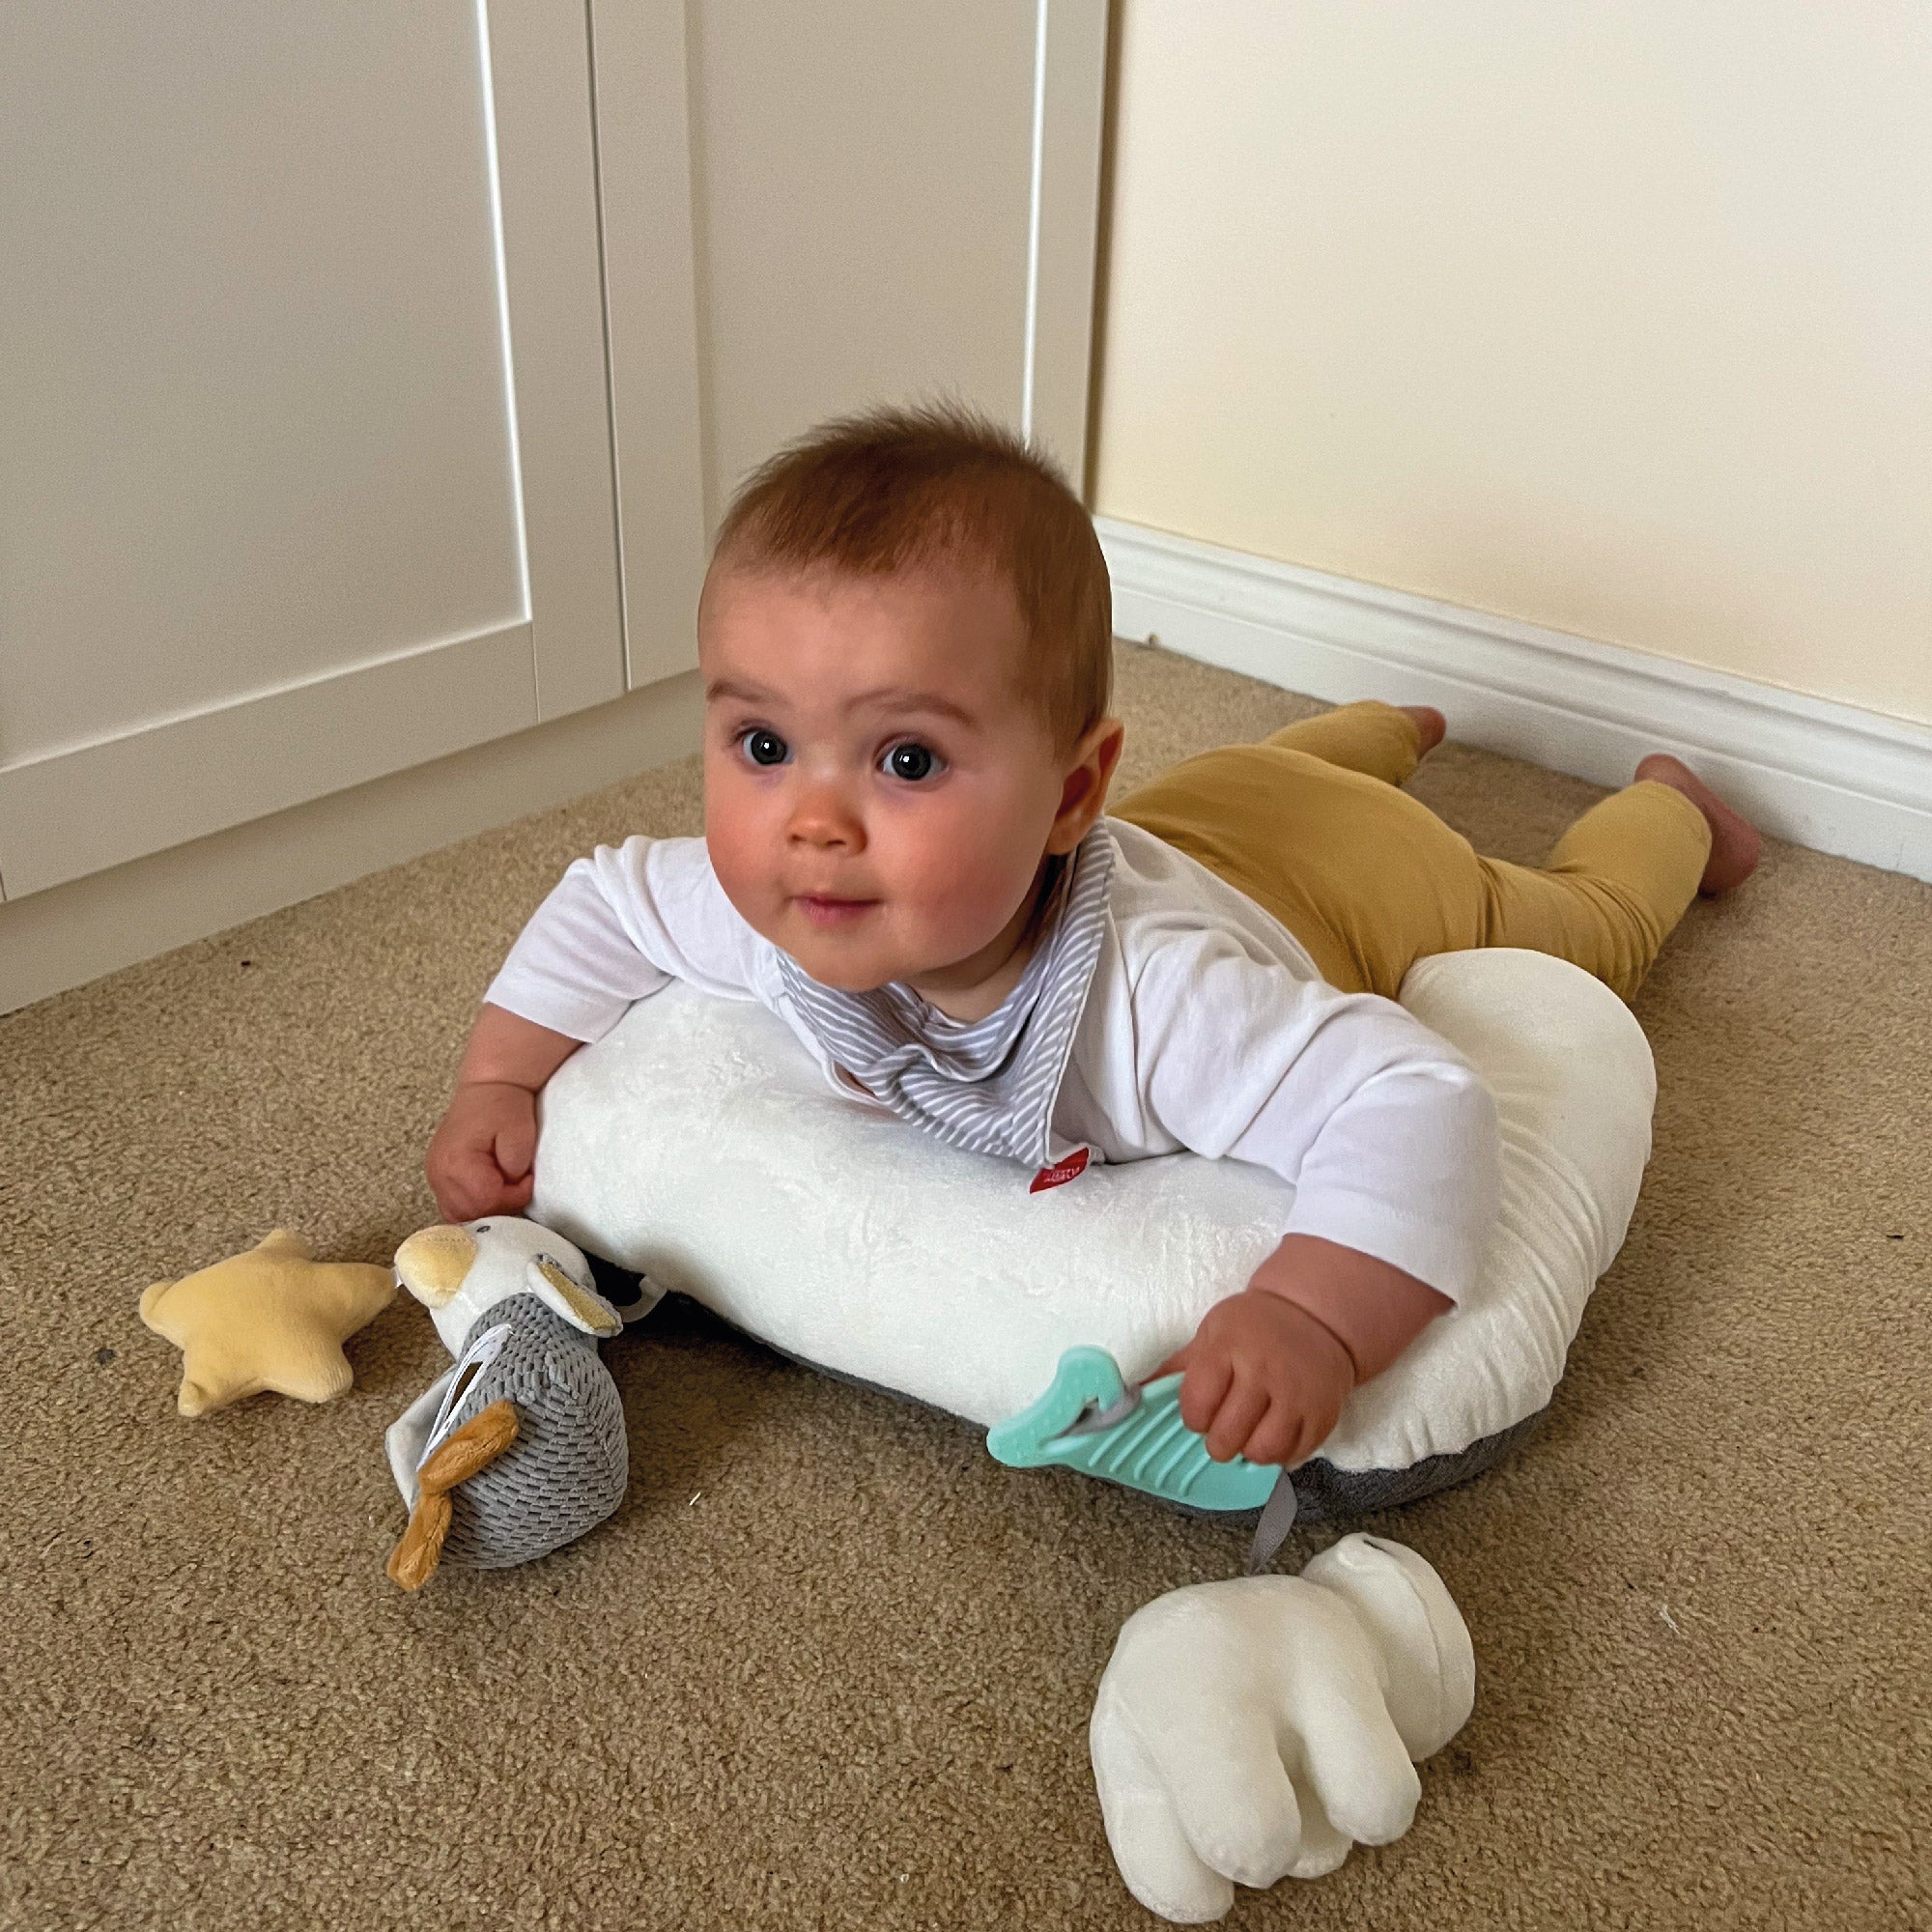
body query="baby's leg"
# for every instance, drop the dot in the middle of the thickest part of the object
(1613, 890)
(1365, 876)
(1735, 844)
(1370, 880)
(1380, 741)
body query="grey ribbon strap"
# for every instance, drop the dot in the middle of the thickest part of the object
(1098, 1421)
(1277, 1519)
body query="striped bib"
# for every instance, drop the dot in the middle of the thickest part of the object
(985, 1085)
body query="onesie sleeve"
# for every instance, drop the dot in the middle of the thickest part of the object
(619, 926)
(1387, 1134)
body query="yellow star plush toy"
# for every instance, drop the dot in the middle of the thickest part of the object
(272, 1319)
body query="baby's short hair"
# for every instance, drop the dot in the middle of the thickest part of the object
(890, 489)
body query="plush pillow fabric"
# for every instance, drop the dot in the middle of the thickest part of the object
(697, 1144)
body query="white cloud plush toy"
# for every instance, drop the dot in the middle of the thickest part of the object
(1255, 1730)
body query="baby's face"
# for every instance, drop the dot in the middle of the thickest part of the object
(879, 794)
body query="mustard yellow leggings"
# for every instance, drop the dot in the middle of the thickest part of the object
(1310, 824)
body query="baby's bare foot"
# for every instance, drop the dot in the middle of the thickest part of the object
(1430, 723)
(1735, 842)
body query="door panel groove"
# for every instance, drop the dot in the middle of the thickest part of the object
(63, 817)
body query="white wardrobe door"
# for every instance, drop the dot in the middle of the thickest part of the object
(863, 186)
(893, 202)
(304, 452)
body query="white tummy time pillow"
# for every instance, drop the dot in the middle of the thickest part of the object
(697, 1142)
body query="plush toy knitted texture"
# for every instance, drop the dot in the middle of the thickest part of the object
(570, 1465)
(517, 1307)
(272, 1319)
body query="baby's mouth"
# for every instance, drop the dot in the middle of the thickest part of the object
(831, 914)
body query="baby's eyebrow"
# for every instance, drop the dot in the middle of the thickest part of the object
(888, 698)
(746, 694)
(897, 698)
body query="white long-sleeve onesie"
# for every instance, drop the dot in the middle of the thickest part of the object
(1206, 1027)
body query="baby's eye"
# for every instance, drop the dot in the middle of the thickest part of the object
(763, 748)
(910, 763)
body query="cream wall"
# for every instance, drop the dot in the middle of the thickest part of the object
(1616, 318)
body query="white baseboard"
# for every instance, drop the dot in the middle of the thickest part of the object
(1839, 779)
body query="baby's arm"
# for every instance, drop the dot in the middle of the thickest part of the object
(617, 928)
(482, 1158)
(1391, 1143)
(1268, 1369)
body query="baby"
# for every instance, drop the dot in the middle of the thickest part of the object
(905, 638)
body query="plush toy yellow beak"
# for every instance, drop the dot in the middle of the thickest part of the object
(433, 1262)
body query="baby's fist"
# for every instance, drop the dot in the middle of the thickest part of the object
(1263, 1379)
(481, 1159)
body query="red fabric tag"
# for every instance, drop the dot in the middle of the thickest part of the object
(1061, 1171)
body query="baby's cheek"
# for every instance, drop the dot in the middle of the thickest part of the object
(737, 860)
(968, 880)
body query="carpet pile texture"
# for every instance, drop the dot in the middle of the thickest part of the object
(831, 1665)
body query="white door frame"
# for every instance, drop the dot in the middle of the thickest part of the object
(650, 306)
(1069, 106)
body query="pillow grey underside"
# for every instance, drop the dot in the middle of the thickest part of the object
(1324, 1494)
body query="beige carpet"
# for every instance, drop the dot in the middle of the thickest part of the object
(830, 1666)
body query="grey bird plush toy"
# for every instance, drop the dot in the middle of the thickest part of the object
(519, 1447)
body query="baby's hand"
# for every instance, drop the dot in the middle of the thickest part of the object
(481, 1159)
(1268, 1369)
(1262, 1378)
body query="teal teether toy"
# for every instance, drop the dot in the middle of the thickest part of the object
(1089, 1419)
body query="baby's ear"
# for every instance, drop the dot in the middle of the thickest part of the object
(1082, 791)
(582, 1307)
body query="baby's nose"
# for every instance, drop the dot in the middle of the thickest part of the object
(823, 816)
